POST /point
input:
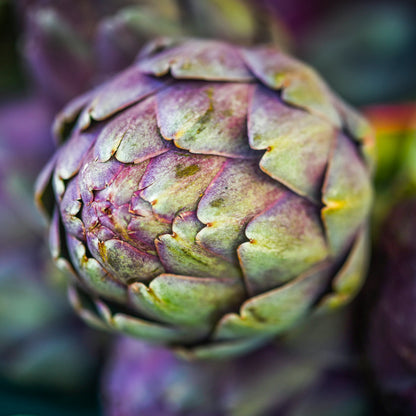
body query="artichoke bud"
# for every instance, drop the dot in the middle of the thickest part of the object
(209, 197)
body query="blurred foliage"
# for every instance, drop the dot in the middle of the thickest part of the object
(68, 46)
(11, 72)
(41, 343)
(313, 371)
(391, 333)
(17, 400)
(395, 177)
(365, 50)
(385, 312)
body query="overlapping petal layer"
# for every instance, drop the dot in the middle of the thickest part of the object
(209, 197)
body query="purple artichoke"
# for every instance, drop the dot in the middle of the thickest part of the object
(308, 374)
(209, 197)
(392, 346)
(56, 45)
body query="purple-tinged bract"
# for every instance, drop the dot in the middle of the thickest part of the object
(209, 195)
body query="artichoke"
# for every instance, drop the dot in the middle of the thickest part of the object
(209, 197)
(313, 372)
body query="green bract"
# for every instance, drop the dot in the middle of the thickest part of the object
(209, 197)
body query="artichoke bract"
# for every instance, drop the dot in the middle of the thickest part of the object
(209, 197)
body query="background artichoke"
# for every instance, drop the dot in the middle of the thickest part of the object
(313, 372)
(70, 46)
(209, 195)
(392, 332)
(389, 298)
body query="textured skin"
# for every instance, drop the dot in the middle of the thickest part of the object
(218, 194)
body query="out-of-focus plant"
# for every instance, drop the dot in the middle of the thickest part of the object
(388, 304)
(41, 344)
(70, 46)
(11, 73)
(364, 50)
(392, 330)
(298, 16)
(25, 144)
(314, 371)
(395, 177)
